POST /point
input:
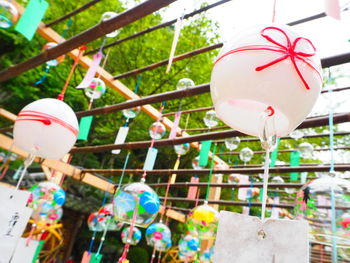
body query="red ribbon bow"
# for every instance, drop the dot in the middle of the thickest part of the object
(288, 51)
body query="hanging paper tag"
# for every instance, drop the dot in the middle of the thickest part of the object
(37, 252)
(204, 153)
(24, 253)
(91, 72)
(238, 240)
(86, 257)
(294, 161)
(192, 190)
(332, 8)
(30, 20)
(121, 137)
(176, 166)
(303, 177)
(150, 159)
(242, 192)
(274, 154)
(178, 26)
(275, 211)
(95, 258)
(175, 125)
(14, 216)
(84, 127)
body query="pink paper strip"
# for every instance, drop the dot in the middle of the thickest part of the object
(332, 8)
(175, 126)
(192, 190)
(91, 72)
(242, 192)
(86, 257)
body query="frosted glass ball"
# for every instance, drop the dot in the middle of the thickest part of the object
(56, 61)
(132, 112)
(306, 150)
(232, 143)
(184, 83)
(135, 237)
(313, 203)
(96, 89)
(246, 154)
(188, 247)
(210, 119)
(296, 134)
(106, 16)
(8, 14)
(46, 128)
(249, 76)
(157, 130)
(182, 149)
(195, 164)
(203, 222)
(137, 197)
(158, 235)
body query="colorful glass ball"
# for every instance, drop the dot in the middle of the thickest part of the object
(158, 235)
(135, 237)
(188, 247)
(106, 218)
(96, 89)
(139, 198)
(56, 61)
(8, 14)
(45, 196)
(94, 223)
(203, 221)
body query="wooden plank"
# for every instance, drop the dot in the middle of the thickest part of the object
(8, 115)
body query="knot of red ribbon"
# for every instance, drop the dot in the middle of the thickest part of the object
(288, 50)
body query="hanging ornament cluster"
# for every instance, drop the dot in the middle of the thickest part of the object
(46, 200)
(249, 78)
(8, 14)
(326, 192)
(203, 222)
(46, 128)
(158, 235)
(136, 198)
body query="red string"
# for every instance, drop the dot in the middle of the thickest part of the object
(76, 60)
(287, 51)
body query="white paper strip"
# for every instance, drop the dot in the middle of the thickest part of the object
(178, 26)
(237, 241)
(121, 137)
(25, 253)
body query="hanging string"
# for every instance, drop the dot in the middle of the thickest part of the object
(123, 171)
(27, 162)
(211, 172)
(76, 60)
(332, 173)
(274, 11)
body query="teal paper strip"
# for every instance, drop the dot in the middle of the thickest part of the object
(204, 153)
(274, 154)
(37, 252)
(30, 20)
(84, 127)
(95, 258)
(150, 159)
(294, 161)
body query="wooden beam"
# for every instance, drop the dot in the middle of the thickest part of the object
(8, 115)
